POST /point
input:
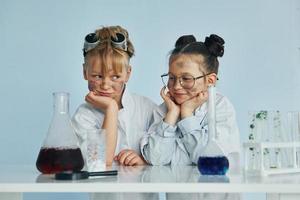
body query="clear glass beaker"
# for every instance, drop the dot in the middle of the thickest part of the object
(293, 125)
(258, 126)
(212, 161)
(278, 133)
(60, 150)
(258, 132)
(294, 131)
(298, 157)
(96, 150)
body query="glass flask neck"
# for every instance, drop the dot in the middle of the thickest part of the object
(61, 102)
(211, 112)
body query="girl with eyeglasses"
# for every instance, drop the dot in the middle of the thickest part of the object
(110, 108)
(179, 131)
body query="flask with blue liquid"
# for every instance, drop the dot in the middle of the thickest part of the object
(212, 160)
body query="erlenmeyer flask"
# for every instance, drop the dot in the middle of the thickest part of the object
(60, 151)
(212, 161)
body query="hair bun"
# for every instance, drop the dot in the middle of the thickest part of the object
(184, 40)
(215, 45)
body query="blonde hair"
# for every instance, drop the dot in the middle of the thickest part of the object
(104, 50)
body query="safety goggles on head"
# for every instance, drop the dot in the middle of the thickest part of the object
(91, 40)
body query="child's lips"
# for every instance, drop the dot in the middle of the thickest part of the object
(106, 94)
(101, 93)
(179, 94)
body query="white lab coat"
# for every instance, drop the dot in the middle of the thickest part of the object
(183, 143)
(134, 120)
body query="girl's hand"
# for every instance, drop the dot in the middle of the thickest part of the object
(100, 102)
(129, 157)
(173, 109)
(188, 107)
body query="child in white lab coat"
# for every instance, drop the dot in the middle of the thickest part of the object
(179, 131)
(110, 108)
(109, 105)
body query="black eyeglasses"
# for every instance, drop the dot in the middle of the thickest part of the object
(186, 81)
(91, 40)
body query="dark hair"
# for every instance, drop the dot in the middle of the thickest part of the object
(211, 49)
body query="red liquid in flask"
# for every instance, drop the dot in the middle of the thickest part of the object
(54, 160)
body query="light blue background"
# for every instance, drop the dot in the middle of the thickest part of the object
(41, 42)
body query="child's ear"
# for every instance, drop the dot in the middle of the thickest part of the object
(128, 73)
(212, 79)
(84, 71)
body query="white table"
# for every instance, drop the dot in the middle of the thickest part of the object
(15, 180)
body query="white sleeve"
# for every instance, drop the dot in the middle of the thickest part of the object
(158, 145)
(162, 144)
(194, 135)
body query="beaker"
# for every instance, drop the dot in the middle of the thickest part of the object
(258, 132)
(293, 118)
(96, 150)
(279, 133)
(258, 126)
(60, 150)
(293, 125)
(212, 160)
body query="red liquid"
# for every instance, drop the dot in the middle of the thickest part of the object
(54, 160)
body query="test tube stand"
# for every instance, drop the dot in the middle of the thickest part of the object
(260, 148)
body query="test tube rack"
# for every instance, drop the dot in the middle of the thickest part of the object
(260, 148)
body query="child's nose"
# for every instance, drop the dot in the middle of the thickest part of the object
(105, 83)
(177, 84)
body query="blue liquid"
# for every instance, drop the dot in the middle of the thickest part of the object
(213, 165)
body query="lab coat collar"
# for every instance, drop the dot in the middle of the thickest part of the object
(126, 99)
